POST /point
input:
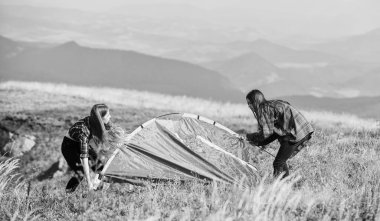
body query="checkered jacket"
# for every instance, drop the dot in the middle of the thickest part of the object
(80, 132)
(279, 117)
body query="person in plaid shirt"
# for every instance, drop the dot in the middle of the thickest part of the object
(277, 119)
(75, 147)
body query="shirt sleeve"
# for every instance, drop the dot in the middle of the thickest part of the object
(83, 147)
(255, 138)
(259, 140)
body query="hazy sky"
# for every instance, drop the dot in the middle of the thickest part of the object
(295, 17)
(322, 6)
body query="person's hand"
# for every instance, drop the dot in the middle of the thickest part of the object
(96, 182)
(240, 137)
(90, 186)
(263, 147)
(251, 139)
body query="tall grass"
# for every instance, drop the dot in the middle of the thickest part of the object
(14, 194)
(276, 200)
(335, 178)
(269, 200)
(7, 173)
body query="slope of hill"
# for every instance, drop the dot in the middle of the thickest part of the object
(283, 56)
(74, 64)
(9, 48)
(364, 47)
(282, 71)
(247, 71)
(368, 84)
(327, 174)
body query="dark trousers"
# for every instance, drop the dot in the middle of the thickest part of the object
(71, 152)
(287, 150)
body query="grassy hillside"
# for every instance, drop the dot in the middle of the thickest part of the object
(335, 178)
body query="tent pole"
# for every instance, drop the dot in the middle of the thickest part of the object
(261, 149)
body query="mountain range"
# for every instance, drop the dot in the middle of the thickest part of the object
(167, 54)
(364, 47)
(282, 71)
(74, 64)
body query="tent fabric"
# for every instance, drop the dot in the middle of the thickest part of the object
(181, 147)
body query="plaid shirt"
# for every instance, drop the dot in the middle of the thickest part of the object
(279, 117)
(80, 132)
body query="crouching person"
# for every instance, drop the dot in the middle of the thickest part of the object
(277, 119)
(78, 154)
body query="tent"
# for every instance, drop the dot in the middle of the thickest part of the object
(180, 146)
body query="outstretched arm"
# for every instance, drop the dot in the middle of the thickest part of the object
(86, 170)
(259, 140)
(84, 161)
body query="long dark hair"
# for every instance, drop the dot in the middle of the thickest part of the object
(97, 126)
(255, 98)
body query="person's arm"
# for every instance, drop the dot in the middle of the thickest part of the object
(258, 140)
(268, 140)
(266, 125)
(255, 138)
(86, 170)
(84, 160)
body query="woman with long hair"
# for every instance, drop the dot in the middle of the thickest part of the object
(79, 155)
(279, 120)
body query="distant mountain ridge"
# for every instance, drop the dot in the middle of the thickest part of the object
(364, 47)
(75, 64)
(278, 54)
(367, 107)
(247, 71)
(283, 71)
(368, 84)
